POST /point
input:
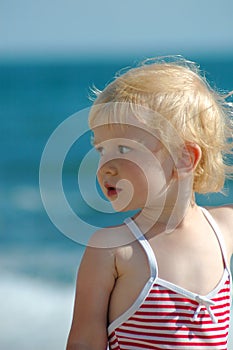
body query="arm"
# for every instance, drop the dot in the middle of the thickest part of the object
(95, 281)
(228, 218)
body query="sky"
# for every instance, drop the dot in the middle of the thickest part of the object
(114, 28)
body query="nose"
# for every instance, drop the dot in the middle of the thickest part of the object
(107, 169)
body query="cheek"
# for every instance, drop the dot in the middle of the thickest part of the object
(135, 172)
(139, 180)
(152, 181)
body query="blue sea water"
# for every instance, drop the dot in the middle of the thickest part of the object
(37, 262)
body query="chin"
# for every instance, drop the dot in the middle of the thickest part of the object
(120, 210)
(124, 209)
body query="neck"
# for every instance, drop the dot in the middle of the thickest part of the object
(170, 214)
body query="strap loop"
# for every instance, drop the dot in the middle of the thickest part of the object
(207, 303)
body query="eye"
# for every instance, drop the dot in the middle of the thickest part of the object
(100, 150)
(124, 149)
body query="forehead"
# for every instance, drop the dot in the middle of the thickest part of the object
(124, 131)
(135, 122)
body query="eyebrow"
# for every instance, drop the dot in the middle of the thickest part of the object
(95, 142)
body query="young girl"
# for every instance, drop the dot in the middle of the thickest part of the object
(161, 280)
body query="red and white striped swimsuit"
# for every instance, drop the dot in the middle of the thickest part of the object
(166, 316)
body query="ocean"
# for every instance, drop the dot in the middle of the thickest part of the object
(38, 263)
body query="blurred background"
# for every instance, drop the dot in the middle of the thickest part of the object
(51, 53)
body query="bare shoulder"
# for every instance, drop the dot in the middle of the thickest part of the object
(223, 215)
(111, 237)
(100, 253)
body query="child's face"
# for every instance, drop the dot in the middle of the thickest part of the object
(134, 168)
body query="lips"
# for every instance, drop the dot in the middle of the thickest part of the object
(111, 190)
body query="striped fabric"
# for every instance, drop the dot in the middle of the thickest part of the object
(166, 316)
(165, 321)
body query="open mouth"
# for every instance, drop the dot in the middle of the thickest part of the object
(111, 190)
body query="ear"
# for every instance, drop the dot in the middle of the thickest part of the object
(188, 160)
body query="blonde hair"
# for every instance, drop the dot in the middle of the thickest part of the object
(176, 90)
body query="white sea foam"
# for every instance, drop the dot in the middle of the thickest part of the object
(34, 315)
(26, 198)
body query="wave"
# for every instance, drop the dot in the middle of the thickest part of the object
(34, 315)
(43, 263)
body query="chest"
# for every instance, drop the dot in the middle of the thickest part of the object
(193, 264)
(188, 261)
